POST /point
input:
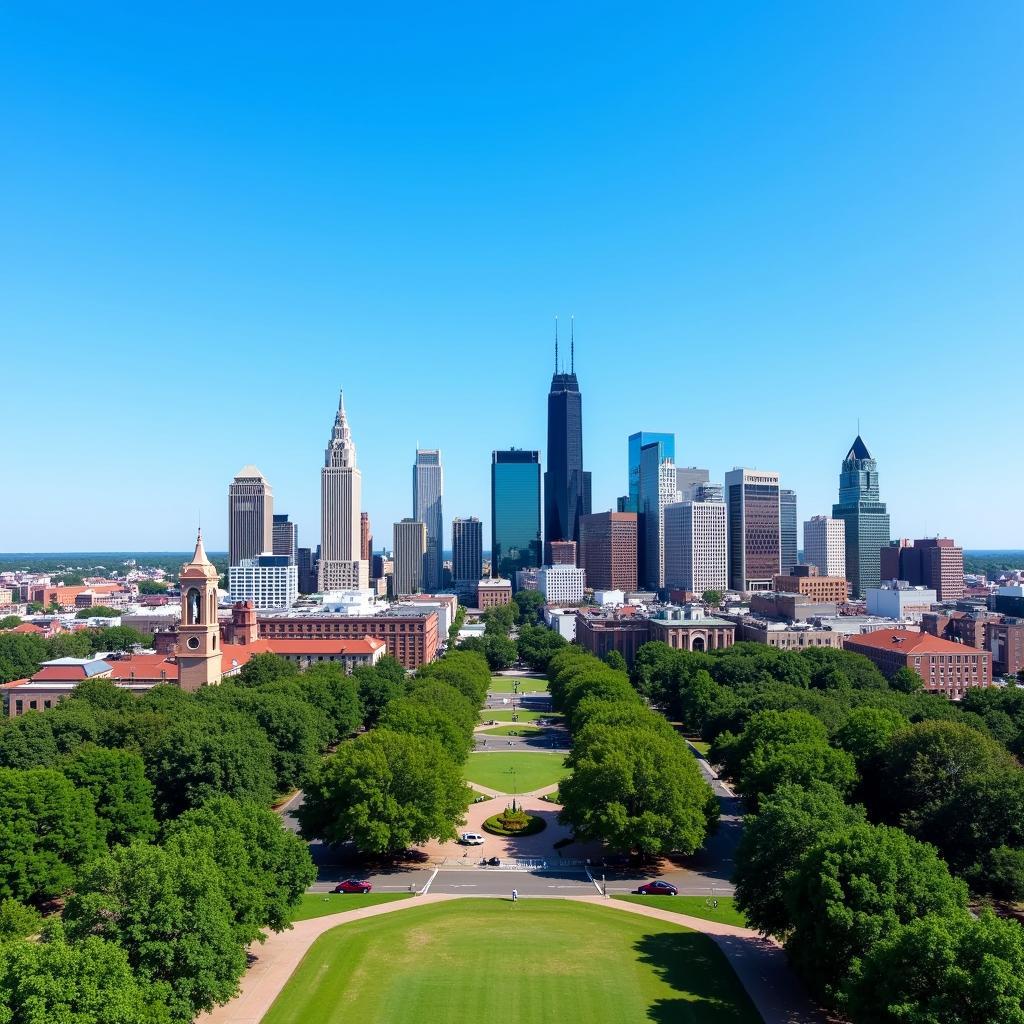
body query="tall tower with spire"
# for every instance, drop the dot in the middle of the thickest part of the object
(566, 484)
(198, 652)
(861, 507)
(341, 493)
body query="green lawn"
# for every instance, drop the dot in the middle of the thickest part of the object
(320, 904)
(504, 684)
(513, 730)
(694, 906)
(505, 715)
(532, 771)
(531, 962)
(700, 745)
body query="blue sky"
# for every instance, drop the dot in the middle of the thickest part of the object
(768, 220)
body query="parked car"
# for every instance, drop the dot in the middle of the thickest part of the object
(657, 888)
(471, 839)
(353, 885)
(480, 799)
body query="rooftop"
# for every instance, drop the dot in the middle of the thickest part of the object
(911, 643)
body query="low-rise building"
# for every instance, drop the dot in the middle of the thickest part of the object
(899, 600)
(808, 582)
(561, 584)
(786, 636)
(562, 621)
(490, 593)
(600, 633)
(690, 628)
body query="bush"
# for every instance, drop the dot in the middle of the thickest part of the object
(514, 823)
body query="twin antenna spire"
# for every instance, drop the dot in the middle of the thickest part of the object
(572, 344)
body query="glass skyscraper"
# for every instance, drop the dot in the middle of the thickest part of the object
(636, 443)
(787, 531)
(427, 495)
(867, 521)
(515, 512)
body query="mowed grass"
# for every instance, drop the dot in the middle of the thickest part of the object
(694, 906)
(531, 962)
(320, 904)
(503, 715)
(532, 771)
(506, 684)
(513, 730)
(701, 746)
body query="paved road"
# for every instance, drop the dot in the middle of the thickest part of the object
(500, 882)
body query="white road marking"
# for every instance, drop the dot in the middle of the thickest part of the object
(426, 888)
(591, 877)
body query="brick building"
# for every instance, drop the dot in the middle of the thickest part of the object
(690, 629)
(934, 562)
(490, 593)
(608, 550)
(805, 580)
(600, 634)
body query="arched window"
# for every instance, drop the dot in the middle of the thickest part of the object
(192, 606)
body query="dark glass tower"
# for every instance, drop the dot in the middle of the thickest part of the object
(867, 521)
(787, 531)
(566, 485)
(515, 512)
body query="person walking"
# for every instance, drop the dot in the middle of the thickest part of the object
(515, 895)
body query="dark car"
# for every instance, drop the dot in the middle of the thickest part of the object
(657, 889)
(353, 885)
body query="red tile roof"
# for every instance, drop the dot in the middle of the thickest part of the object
(908, 642)
(324, 647)
(26, 627)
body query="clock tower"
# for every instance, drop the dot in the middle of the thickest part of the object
(198, 652)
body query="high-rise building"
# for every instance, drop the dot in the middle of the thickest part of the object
(341, 494)
(515, 512)
(752, 503)
(867, 522)
(566, 484)
(706, 492)
(286, 538)
(365, 537)
(561, 584)
(637, 441)
(608, 548)
(689, 480)
(787, 530)
(696, 553)
(934, 562)
(467, 552)
(268, 581)
(410, 539)
(427, 493)
(562, 552)
(307, 559)
(825, 545)
(657, 489)
(250, 515)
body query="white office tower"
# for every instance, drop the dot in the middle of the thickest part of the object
(341, 493)
(696, 553)
(825, 545)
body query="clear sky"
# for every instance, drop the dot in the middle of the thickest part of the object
(768, 219)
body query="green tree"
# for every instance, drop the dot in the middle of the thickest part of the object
(855, 888)
(169, 913)
(18, 921)
(636, 788)
(906, 680)
(745, 757)
(418, 718)
(27, 741)
(790, 821)
(378, 686)
(48, 831)
(86, 982)
(98, 611)
(121, 793)
(712, 598)
(615, 660)
(800, 764)
(152, 587)
(265, 668)
(327, 688)
(529, 606)
(499, 650)
(537, 645)
(499, 620)
(385, 791)
(266, 867)
(943, 969)
(10, 621)
(21, 655)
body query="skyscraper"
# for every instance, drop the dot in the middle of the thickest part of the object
(286, 538)
(515, 512)
(752, 502)
(427, 491)
(787, 530)
(689, 480)
(566, 484)
(365, 537)
(696, 557)
(250, 515)
(867, 522)
(341, 493)
(467, 552)
(825, 545)
(410, 540)
(657, 489)
(608, 548)
(631, 501)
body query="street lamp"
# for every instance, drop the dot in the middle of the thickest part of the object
(512, 772)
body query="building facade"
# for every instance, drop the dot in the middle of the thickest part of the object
(410, 543)
(691, 483)
(268, 581)
(825, 545)
(608, 550)
(562, 552)
(863, 512)
(286, 538)
(900, 601)
(341, 495)
(657, 491)
(788, 542)
(307, 559)
(427, 497)
(696, 550)
(467, 552)
(806, 580)
(561, 584)
(752, 502)
(631, 501)
(600, 633)
(493, 592)
(515, 511)
(250, 515)
(690, 629)
(934, 562)
(365, 537)
(198, 654)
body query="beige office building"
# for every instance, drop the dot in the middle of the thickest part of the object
(410, 542)
(825, 545)
(250, 515)
(341, 493)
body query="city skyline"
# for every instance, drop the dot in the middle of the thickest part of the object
(277, 229)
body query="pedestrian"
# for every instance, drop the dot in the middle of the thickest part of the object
(515, 895)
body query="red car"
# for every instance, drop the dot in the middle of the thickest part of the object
(657, 889)
(353, 885)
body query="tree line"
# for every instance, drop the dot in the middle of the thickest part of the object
(21, 654)
(878, 811)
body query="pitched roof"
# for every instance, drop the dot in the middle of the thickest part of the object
(26, 627)
(858, 450)
(907, 642)
(367, 645)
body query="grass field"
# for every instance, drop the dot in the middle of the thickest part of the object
(700, 745)
(533, 771)
(524, 716)
(531, 962)
(513, 730)
(320, 904)
(504, 684)
(695, 906)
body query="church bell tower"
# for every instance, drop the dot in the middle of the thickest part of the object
(198, 652)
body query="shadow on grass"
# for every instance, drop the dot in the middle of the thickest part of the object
(691, 964)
